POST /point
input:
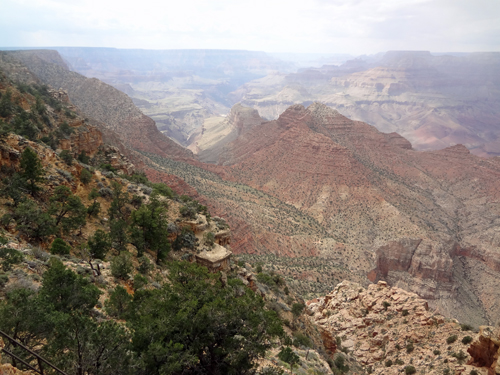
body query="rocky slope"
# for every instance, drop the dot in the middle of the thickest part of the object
(116, 112)
(433, 101)
(389, 330)
(425, 217)
(178, 89)
(316, 184)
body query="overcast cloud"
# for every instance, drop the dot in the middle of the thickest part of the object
(322, 26)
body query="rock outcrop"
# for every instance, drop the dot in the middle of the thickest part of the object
(217, 133)
(387, 328)
(485, 349)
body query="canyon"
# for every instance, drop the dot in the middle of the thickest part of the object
(434, 101)
(314, 184)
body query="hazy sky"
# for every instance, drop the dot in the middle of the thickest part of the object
(321, 26)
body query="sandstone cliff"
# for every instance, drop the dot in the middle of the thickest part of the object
(218, 132)
(433, 101)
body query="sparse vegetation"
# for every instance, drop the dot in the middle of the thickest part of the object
(467, 340)
(451, 339)
(410, 370)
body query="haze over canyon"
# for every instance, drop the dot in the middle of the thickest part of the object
(368, 169)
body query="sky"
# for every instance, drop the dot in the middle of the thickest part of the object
(308, 26)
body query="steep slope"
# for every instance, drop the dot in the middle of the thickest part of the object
(433, 101)
(178, 89)
(430, 218)
(219, 131)
(315, 184)
(117, 111)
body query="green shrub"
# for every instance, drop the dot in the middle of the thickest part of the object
(436, 352)
(297, 309)
(59, 247)
(466, 327)
(145, 265)
(473, 372)
(10, 257)
(4, 279)
(121, 266)
(399, 362)
(466, 340)
(301, 340)
(65, 129)
(188, 212)
(164, 190)
(107, 167)
(405, 313)
(388, 363)
(118, 302)
(209, 239)
(339, 363)
(85, 176)
(138, 178)
(460, 356)
(271, 371)
(185, 239)
(82, 157)
(139, 282)
(66, 156)
(386, 305)
(409, 348)
(410, 370)
(452, 339)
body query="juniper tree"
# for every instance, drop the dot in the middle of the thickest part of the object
(67, 209)
(31, 170)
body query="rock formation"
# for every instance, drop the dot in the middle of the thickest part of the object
(218, 132)
(387, 329)
(316, 184)
(419, 213)
(485, 349)
(433, 101)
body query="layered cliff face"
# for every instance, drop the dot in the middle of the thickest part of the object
(433, 101)
(316, 184)
(428, 219)
(110, 107)
(178, 89)
(217, 132)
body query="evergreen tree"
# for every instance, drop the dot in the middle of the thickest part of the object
(287, 355)
(15, 188)
(60, 247)
(195, 325)
(67, 209)
(148, 229)
(31, 170)
(32, 221)
(95, 207)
